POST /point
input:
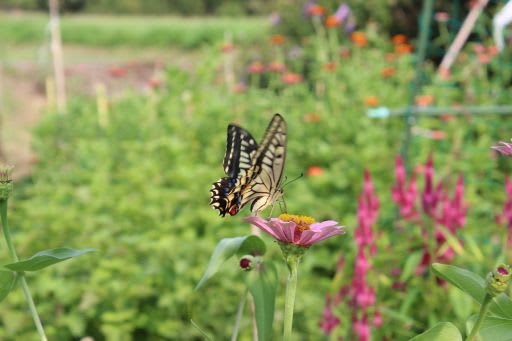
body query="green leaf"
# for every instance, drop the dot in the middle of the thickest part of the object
(492, 328)
(262, 284)
(443, 331)
(46, 258)
(252, 245)
(7, 281)
(224, 250)
(410, 265)
(467, 281)
(474, 285)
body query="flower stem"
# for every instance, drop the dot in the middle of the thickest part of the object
(481, 315)
(291, 288)
(14, 256)
(239, 313)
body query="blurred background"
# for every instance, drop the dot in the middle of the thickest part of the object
(114, 114)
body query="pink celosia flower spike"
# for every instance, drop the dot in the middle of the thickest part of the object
(297, 230)
(430, 197)
(504, 148)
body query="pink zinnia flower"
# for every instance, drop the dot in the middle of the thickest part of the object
(505, 148)
(297, 230)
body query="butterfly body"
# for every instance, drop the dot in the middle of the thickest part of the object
(254, 172)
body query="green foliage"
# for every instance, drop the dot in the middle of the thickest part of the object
(131, 31)
(46, 258)
(136, 189)
(7, 282)
(227, 248)
(262, 283)
(443, 331)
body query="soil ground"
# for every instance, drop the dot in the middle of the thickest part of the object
(23, 74)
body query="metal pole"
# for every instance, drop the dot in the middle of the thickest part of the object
(426, 16)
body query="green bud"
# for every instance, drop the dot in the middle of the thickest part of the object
(5, 181)
(497, 280)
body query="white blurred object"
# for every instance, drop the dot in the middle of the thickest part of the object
(500, 21)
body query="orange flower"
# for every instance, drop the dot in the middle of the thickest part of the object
(312, 117)
(445, 73)
(387, 72)
(226, 48)
(315, 171)
(399, 39)
(330, 66)
(425, 100)
(403, 48)
(359, 38)
(316, 10)
(256, 67)
(371, 101)
(332, 21)
(291, 78)
(276, 67)
(479, 48)
(277, 39)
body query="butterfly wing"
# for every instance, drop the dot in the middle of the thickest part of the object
(264, 181)
(240, 150)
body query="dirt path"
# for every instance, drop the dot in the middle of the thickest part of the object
(23, 95)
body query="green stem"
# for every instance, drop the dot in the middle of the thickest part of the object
(291, 288)
(14, 256)
(239, 314)
(481, 315)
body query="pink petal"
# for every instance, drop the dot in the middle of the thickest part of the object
(265, 226)
(317, 227)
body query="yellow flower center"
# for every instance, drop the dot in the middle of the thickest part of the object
(303, 221)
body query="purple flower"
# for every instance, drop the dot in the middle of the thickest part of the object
(342, 12)
(297, 230)
(505, 148)
(274, 18)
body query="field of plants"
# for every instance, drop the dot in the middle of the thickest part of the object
(130, 177)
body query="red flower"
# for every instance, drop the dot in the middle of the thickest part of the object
(256, 68)
(117, 71)
(315, 10)
(291, 78)
(276, 67)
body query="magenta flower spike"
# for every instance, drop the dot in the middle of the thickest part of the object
(430, 196)
(297, 230)
(504, 149)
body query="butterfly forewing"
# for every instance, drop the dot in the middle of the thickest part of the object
(240, 149)
(264, 186)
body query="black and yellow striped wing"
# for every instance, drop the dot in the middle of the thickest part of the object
(264, 186)
(254, 173)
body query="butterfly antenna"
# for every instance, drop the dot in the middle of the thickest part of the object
(289, 182)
